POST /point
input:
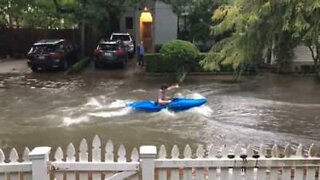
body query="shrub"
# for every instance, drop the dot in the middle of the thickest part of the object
(180, 54)
(79, 66)
(156, 63)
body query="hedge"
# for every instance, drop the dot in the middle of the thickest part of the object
(155, 63)
(79, 66)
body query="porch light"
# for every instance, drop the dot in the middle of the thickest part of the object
(146, 16)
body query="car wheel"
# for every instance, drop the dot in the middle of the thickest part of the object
(123, 63)
(131, 55)
(34, 69)
(64, 65)
(97, 65)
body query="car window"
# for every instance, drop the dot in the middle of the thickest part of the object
(43, 48)
(120, 37)
(110, 47)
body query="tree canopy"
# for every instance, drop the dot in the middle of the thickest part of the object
(61, 13)
(256, 26)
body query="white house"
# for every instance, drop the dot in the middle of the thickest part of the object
(154, 24)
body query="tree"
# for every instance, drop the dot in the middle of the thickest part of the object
(101, 14)
(11, 12)
(33, 13)
(196, 17)
(256, 26)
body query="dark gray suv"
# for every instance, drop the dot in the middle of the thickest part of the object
(52, 53)
(110, 52)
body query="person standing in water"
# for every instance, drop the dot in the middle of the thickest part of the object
(141, 55)
(162, 99)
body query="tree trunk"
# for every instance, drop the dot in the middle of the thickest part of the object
(316, 67)
(83, 37)
(317, 61)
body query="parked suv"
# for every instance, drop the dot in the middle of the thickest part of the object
(110, 52)
(128, 41)
(52, 53)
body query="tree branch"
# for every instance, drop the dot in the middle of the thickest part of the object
(312, 52)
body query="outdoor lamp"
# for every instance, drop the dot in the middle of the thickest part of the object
(146, 16)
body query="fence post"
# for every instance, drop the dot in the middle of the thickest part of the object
(147, 156)
(39, 158)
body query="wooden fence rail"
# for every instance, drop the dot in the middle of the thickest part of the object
(97, 162)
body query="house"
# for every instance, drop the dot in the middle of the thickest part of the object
(154, 24)
(302, 61)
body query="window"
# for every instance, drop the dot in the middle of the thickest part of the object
(129, 23)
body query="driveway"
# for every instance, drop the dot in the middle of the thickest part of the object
(14, 66)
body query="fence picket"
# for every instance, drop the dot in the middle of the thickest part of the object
(212, 173)
(83, 157)
(13, 158)
(14, 176)
(237, 171)
(25, 158)
(2, 159)
(109, 156)
(250, 174)
(162, 174)
(122, 154)
(311, 173)
(175, 153)
(135, 158)
(273, 173)
(299, 171)
(162, 155)
(3, 176)
(71, 157)
(175, 174)
(286, 173)
(312, 151)
(109, 148)
(58, 158)
(187, 173)
(200, 173)
(96, 155)
(224, 171)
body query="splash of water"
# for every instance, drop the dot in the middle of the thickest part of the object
(117, 104)
(67, 121)
(93, 102)
(108, 114)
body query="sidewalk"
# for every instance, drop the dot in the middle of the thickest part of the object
(14, 66)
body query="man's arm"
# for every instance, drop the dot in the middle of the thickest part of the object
(176, 86)
(162, 102)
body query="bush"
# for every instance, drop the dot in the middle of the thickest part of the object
(156, 63)
(79, 66)
(180, 54)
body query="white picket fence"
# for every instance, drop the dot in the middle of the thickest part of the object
(238, 163)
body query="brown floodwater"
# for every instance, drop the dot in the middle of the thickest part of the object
(52, 109)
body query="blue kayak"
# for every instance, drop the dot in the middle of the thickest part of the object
(177, 104)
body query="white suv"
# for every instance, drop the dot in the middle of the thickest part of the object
(127, 40)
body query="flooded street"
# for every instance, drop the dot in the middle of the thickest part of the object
(52, 109)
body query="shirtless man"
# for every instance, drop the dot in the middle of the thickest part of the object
(162, 100)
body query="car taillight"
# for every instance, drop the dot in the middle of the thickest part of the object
(97, 51)
(30, 56)
(118, 52)
(55, 55)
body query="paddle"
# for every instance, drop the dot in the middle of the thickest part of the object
(181, 75)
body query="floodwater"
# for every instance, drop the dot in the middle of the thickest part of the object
(52, 109)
